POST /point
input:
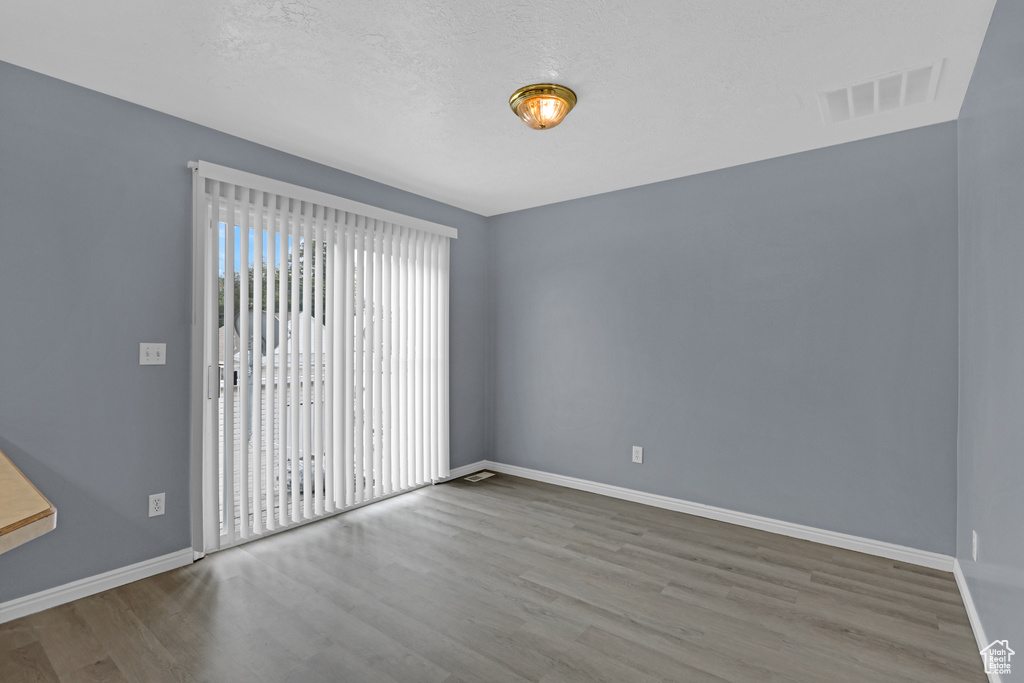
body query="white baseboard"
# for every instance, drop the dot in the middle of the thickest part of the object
(467, 470)
(37, 602)
(870, 546)
(972, 615)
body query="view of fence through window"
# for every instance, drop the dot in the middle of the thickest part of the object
(266, 289)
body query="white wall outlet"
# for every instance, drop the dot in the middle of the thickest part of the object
(152, 354)
(638, 454)
(974, 545)
(156, 504)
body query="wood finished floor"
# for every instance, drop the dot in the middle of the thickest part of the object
(511, 580)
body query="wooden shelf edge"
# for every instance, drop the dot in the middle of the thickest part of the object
(32, 525)
(10, 528)
(27, 532)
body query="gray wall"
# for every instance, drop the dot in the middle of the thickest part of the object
(991, 478)
(95, 228)
(781, 338)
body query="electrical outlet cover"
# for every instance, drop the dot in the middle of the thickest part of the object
(156, 504)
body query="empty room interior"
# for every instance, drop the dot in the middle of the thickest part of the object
(742, 361)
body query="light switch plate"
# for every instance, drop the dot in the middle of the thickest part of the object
(151, 353)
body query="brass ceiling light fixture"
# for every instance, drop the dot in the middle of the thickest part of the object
(542, 106)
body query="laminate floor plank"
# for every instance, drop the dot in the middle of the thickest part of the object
(509, 580)
(101, 671)
(347, 632)
(423, 638)
(651, 660)
(881, 589)
(703, 654)
(133, 647)
(27, 664)
(213, 656)
(15, 634)
(69, 643)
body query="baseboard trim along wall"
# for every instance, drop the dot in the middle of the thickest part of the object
(891, 551)
(37, 602)
(972, 614)
(471, 468)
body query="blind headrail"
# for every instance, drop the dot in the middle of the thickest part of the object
(205, 169)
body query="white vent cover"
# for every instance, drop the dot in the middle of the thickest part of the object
(478, 476)
(881, 94)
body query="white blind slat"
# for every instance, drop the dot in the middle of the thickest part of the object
(408, 385)
(317, 365)
(294, 405)
(306, 362)
(377, 360)
(332, 422)
(272, 336)
(419, 350)
(212, 415)
(404, 386)
(348, 365)
(442, 365)
(244, 376)
(368, 358)
(387, 485)
(256, 379)
(227, 474)
(434, 348)
(359, 363)
(283, 354)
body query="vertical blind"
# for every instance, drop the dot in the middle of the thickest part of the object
(325, 335)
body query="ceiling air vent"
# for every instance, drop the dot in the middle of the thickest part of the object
(881, 94)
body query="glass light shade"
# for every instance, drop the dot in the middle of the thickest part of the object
(543, 111)
(543, 106)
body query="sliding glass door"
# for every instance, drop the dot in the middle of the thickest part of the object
(325, 346)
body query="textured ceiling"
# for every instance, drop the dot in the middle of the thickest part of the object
(415, 94)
